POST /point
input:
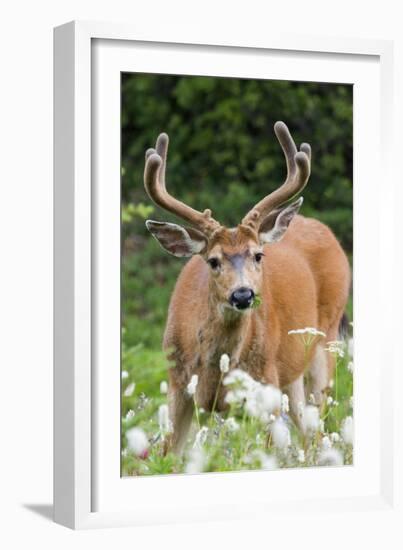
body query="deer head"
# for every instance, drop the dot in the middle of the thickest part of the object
(234, 255)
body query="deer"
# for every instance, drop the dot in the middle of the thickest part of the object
(294, 264)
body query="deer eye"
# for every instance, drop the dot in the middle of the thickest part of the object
(258, 256)
(214, 263)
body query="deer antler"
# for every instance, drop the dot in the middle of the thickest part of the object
(298, 171)
(154, 183)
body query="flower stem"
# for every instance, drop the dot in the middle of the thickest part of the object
(306, 347)
(335, 390)
(197, 412)
(243, 426)
(216, 395)
(268, 440)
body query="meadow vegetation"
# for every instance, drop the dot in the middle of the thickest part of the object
(223, 155)
(255, 432)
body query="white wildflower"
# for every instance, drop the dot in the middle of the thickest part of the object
(351, 347)
(335, 403)
(241, 384)
(191, 387)
(301, 456)
(239, 377)
(224, 363)
(232, 424)
(307, 334)
(125, 374)
(260, 400)
(336, 347)
(129, 390)
(164, 387)
(334, 437)
(329, 400)
(263, 400)
(350, 367)
(347, 430)
(130, 414)
(280, 434)
(233, 397)
(272, 418)
(311, 418)
(200, 438)
(307, 330)
(285, 403)
(311, 399)
(196, 461)
(326, 442)
(330, 457)
(267, 462)
(137, 441)
(164, 421)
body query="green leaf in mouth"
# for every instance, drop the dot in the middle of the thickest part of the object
(257, 300)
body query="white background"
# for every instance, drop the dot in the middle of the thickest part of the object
(26, 270)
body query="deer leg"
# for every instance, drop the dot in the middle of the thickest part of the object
(318, 379)
(296, 396)
(180, 413)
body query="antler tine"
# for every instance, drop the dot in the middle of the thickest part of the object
(298, 171)
(287, 144)
(162, 150)
(154, 183)
(149, 152)
(306, 148)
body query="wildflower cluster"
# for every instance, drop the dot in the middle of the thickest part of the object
(307, 335)
(336, 347)
(255, 432)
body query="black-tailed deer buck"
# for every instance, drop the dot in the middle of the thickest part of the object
(293, 264)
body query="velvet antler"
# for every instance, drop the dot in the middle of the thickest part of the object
(298, 171)
(154, 182)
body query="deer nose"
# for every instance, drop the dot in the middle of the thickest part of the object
(242, 298)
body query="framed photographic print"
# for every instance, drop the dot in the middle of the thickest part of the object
(220, 256)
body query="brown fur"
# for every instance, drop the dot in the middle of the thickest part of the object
(303, 280)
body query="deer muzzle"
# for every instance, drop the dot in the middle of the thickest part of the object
(242, 298)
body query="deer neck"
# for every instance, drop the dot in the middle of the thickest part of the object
(225, 331)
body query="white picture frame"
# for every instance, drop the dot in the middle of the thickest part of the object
(88, 491)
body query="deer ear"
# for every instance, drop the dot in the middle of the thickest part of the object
(276, 223)
(177, 240)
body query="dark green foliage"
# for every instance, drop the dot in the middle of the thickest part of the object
(223, 155)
